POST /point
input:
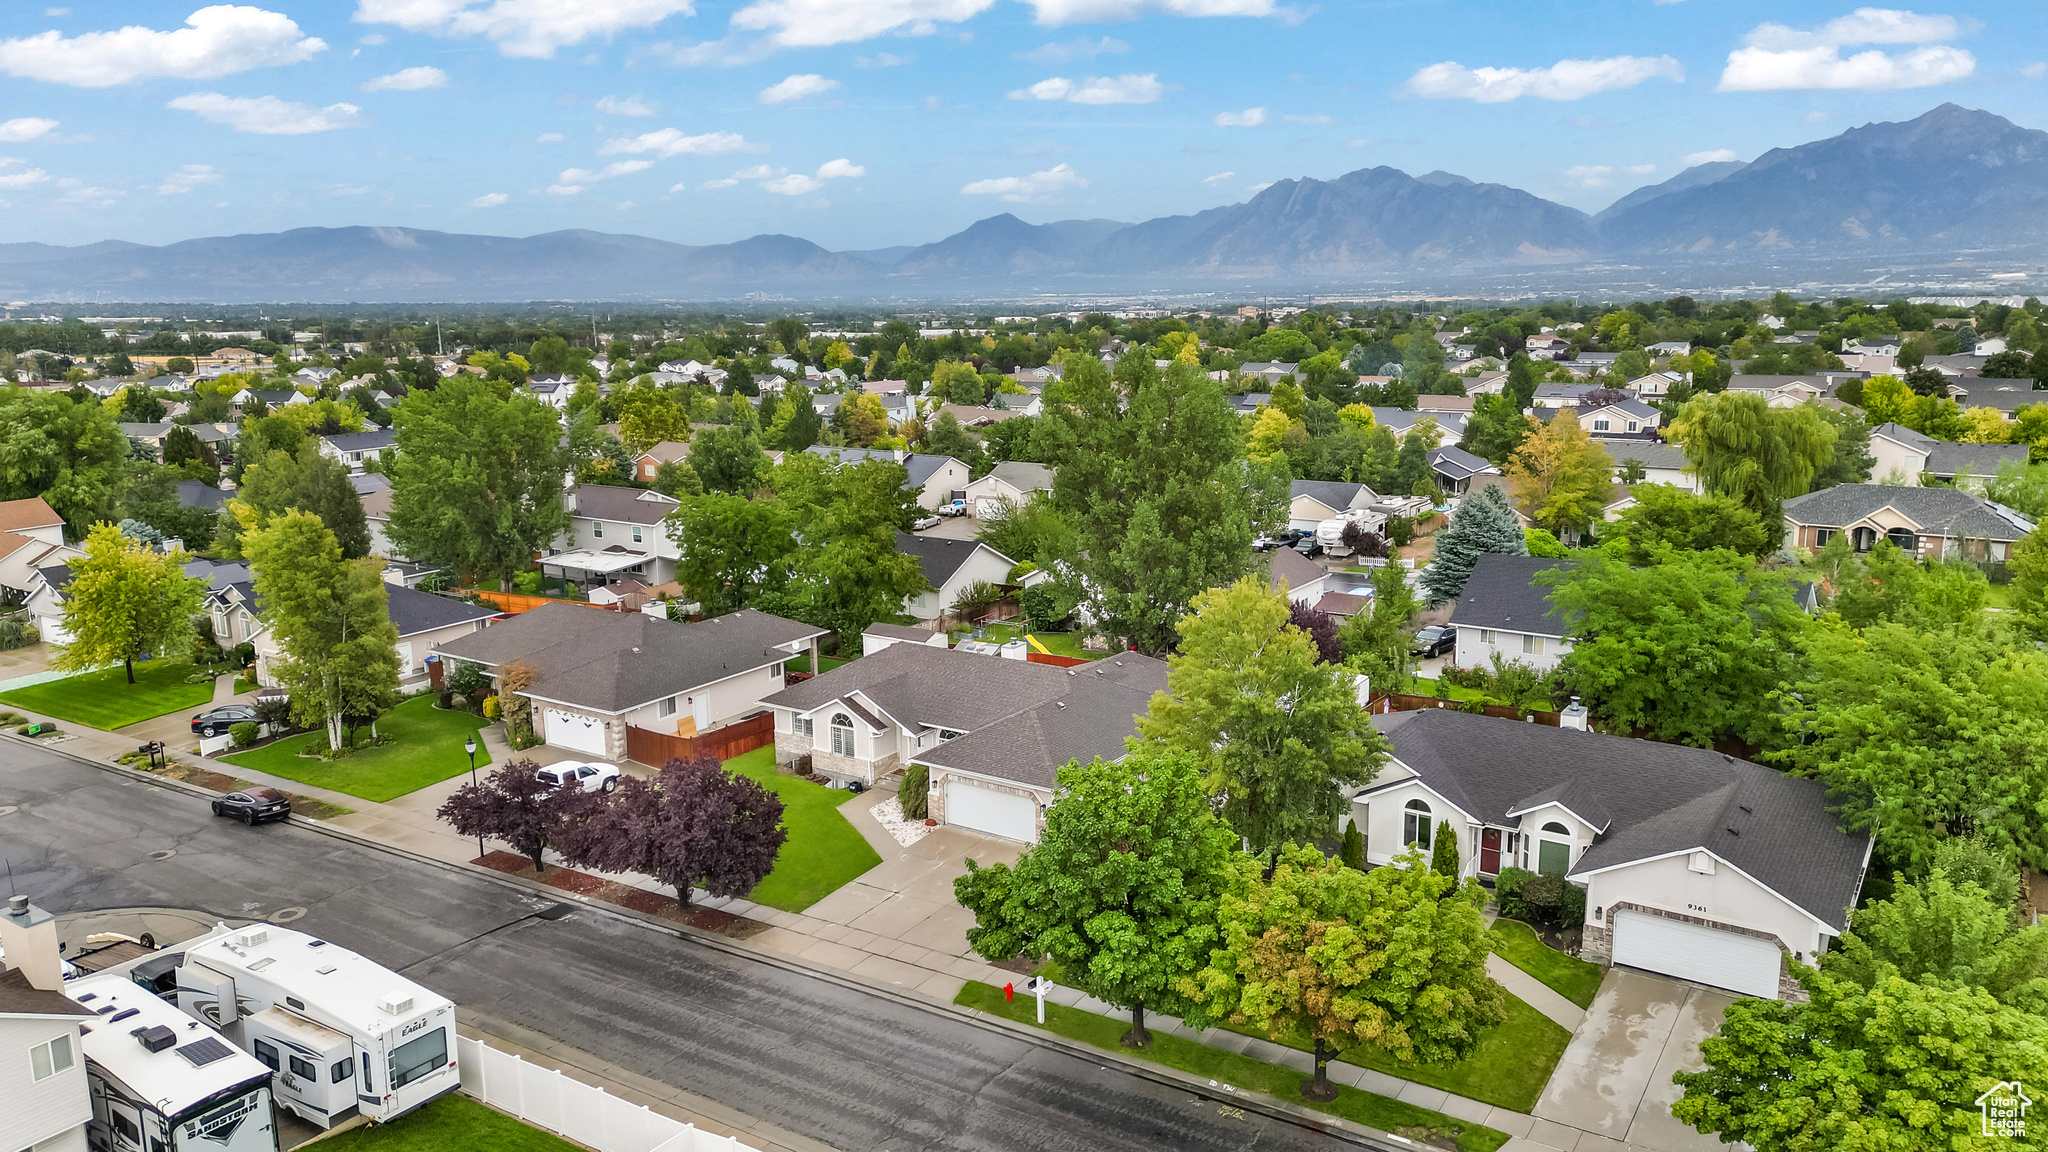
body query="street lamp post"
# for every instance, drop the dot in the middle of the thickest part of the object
(469, 746)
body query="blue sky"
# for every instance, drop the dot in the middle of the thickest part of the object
(866, 123)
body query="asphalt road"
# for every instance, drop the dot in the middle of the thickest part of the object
(858, 1070)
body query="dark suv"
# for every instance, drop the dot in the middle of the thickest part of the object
(1435, 640)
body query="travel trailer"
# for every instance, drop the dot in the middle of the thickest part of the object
(343, 1034)
(163, 1082)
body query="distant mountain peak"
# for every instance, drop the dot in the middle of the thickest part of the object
(1443, 179)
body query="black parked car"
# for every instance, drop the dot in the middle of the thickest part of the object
(252, 806)
(1434, 640)
(219, 720)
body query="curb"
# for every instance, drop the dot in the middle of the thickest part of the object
(1333, 1126)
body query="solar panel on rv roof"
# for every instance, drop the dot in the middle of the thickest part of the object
(204, 1051)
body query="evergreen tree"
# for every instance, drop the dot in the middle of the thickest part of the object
(1443, 857)
(1353, 850)
(1484, 525)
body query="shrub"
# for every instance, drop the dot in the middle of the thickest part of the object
(492, 707)
(445, 698)
(1507, 890)
(1571, 909)
(275, 711)
(1542, 893)
(16, 633)
(976, 598)
(527, 583)
(245, 655)
(1400, 530)
(467, 679)
(914, 794)
(1045, 607)
(1353, 850)
(245, 733)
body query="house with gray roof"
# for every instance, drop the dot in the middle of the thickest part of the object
(1009, 484)
(354, 450)
(950, 566)
(990, 731)
(937, 479)
(1310, 502)
(600, 672)
(1695, 864)
(615, 533)
(423, 619)
(1400, 421)
(1504, 612)
(1620, 419)
(1661, 462)
(1927, 523)
(1457, 470)
(1902, 456)
(2008, 396)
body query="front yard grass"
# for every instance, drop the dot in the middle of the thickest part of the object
(427, 747)
(1232, 1068)
(450, 1124)
(1424, 686)
(822, 852)
(802, 663)
(105, 700)
(1568, 976)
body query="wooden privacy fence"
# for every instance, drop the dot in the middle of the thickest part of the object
(1392, 702)
(517, 602)
(1055, 661)
(585, 1114)
(657, 748)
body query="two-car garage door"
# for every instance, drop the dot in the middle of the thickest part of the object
(1004, 814)
(1696, 952)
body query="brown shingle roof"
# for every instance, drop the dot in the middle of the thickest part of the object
(20, 515)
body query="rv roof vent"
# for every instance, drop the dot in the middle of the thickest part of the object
(156, 1038)
(326, 970)
(396, 1003)
(86, 998)
(123, 1014)
(250, 937)
(295, 1002)
(106, 1008)
(260, 965)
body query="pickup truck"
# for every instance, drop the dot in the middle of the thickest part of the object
(955, 508)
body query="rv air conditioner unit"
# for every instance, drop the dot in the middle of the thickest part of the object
(395, 1004)
(250, 937)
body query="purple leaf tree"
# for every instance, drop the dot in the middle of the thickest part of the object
(1321, 628)
(695, 824)
(515, 806)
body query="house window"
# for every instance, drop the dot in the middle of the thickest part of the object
(842, 734)
(46, 1060)
(1821, 536)
(1634, 426)
(636, 533)
(1551, 855)
(666, 708)
(1532, 645)
(1904, 538)
(1864, 539)
(597, 529)
(1415, 824)
(1602, 424)
(1486, 636)
(802, 726)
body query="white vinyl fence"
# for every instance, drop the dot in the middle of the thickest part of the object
(587, 1115)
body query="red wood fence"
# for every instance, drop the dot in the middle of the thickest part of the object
(517, 602)
(1055, 661)
(657, 748)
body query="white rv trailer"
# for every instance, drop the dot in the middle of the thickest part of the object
(344, 1034)
(163, 1082)
(1330, 533)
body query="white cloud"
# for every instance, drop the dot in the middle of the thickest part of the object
(55, 12)
(489, 200)
(188, 178)
(1057, 12)
(1778, 58)
(1249, 118)
(2034, 70)
(548, 138)
(1038, 186)
(1218, 178)
(88, 194)
(1640, 169)
(667, 142)
(726, 182)
(23, 129)
(1067, 51)
(802, 86)
(216, 41)
(729, 52)
(758, 172)
(565, 189)
(1710, 156)
(1315, 118)
(1564, 80)
(675, 188)
(26, 178)
(1255, 189)
(625, 106)
(373, 39)
(408, 80)
(266, 115)
(798, 184)
(817, 23)
(1129, 88)
(534, 28)
(881, 60)
(1588, 175)
(350, 190)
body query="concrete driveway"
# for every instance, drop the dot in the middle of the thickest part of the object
(1613, 1090)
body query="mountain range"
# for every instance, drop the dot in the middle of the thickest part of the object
(1952, 180)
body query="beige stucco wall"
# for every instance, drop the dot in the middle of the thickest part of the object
(1726, 897)
(1895, 463)
(712, 705)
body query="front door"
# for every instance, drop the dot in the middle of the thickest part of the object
(1489, 852)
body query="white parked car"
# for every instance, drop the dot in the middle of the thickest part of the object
(593, 777)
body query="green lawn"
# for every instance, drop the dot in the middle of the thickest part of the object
(1240, 1071)
(823, 851)
(105, 700)
(450, 1124)
(803, 663)
(1998, 596)
(1057, 643)
(1424, 686)
(427, 748)
(1572, 978)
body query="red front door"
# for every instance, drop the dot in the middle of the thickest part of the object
(1489, 852)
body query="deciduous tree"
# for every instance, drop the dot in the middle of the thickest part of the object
(514, 805)
(1277, 732)
(734, 550)
(1665, 518)
(124, 603)
(1560, 477)
(728, 459)
(476, 486)
(331, 620)
(1742, 447)
(1121, 891)
(65, 451)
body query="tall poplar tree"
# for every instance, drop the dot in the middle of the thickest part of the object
(330, 618)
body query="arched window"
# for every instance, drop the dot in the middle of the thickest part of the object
(1905, 539)
(1416, 824)
(1554, 855)
(842, 734)
(1864, 539)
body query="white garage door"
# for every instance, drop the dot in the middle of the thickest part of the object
(996, 813)
(1695, 952)
(576, 732)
